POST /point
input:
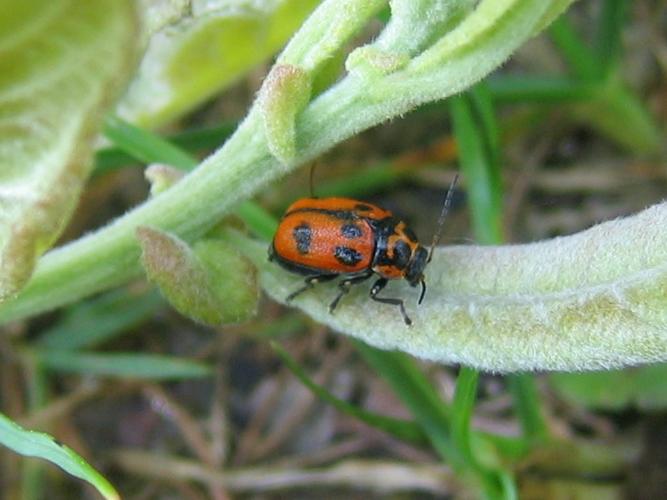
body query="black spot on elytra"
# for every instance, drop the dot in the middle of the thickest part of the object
(347, 256)
(402, 254)
(362, 207)
(351, 231)
(303, 235)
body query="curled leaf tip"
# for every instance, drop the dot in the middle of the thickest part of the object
(210, 283)
(370, 62)
(162, 177)
(286, 91)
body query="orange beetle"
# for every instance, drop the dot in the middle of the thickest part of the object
(327, 238)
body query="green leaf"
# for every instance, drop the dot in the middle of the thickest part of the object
(402, 429)
(593, 300)
(92, 322)
(480, 41)
(430, 412)
(150, 147)
(122, 365)
(642, 388)
(51, 104)
(476, 138)
(579, 57)
(612, 108)
(193, 140)
(257, 219)
(612, 16)
(463, 404)
(327, 30)
(418, 395)
(208, 50)
(211, 283)
(618, 113)
(538, 89)
(145, 146)
(555, 9)
(244, 165)
(478, 141)
(527, 408)
(40, 445)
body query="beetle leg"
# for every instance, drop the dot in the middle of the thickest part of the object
(377, 288)
(344, 287)
(311, 281)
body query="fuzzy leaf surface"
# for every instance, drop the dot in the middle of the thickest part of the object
(61, 64)
(593, 300)
(218, 42)
(210, 283)
(470, 47)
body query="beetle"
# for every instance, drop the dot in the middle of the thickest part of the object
(328, 238)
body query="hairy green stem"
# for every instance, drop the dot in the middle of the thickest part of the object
(108, 257)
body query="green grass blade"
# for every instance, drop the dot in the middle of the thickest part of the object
(203, 138)
(418, 395)
(402, 429)
(612, 109)
(582, 62)
(508, 486)
(200, 139)
(538, 89)
(479, 165)
(465, 395)
(37, 392)
(89, 323)
(121, 365)
(481, 168)
(362, 182)
(430, 412)
(610, 27)
(641, 388)
(490, 134)
(110, 159)
(620, 114)
(146, 146)
(527, 407)
(40, 445)
(509, 447)
(477, 135)
(258, 220)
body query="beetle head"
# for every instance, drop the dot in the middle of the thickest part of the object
(415, 270)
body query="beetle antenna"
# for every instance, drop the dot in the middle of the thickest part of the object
(443, 216)
(311, 179)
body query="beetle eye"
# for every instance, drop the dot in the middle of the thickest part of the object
(415, 271)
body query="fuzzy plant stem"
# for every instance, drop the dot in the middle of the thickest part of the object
(383, 81)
